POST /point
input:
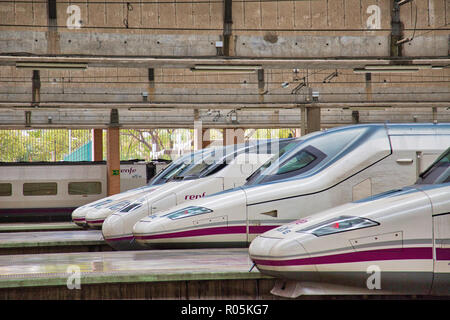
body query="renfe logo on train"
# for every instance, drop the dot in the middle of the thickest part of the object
(194, 196)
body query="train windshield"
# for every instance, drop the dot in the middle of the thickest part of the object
(283, 148)
(219, 158)
(201, 163)
(438, 172)
(175, 168)
(312, 153)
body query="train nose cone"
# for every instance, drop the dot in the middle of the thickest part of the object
(115, 235)
(79, 216)
(273, 247)
(275, 255)
(146, 231)
(112, 229)
(96, 218)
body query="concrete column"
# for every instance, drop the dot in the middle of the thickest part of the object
(198, 139)
(198, 131)
(206, 138)
(113, 161)
(228, 45)
(303, 119)
(36, 88)
(97, 141)
(312, 119)
(233, 136)
(434, 112)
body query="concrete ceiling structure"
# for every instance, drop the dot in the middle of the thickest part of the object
(357, 60)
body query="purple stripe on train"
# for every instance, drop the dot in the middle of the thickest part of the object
(442, 253)
(94, 221)
(361, 256)
(208, 232)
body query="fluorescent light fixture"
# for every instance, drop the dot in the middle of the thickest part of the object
(362, 70)
(150, 109)
(393, 68)
(51, 65)
(226, 68)
(369, 108)
(398, 66)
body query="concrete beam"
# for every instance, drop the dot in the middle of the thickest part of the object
(183, 118)
(189, 62)
(255, 106)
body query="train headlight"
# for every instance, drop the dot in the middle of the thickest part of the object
(187, 212)
(339, 224)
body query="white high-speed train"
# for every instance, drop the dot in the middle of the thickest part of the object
(394, 242)
(102, 207)
(226, 168)
(322, 171)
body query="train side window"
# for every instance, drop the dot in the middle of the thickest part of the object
(83, 188)
(40, 189)
(5, 189)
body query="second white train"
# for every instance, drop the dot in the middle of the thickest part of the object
(322, 171)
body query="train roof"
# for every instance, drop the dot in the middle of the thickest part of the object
(401, 128)
(318, 150)
(75, 163)
(418, 128)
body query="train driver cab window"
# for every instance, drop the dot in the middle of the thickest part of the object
(40, 189)
(284, 147)
(300, 161)
(172, 170)
(85, 188)
(5, 189)
(438, 172)
(313, 153)
(201, 164)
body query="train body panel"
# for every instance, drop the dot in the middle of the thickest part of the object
(42, 191)
(395, 242)
(35, 176)
(95, 215)
(99, 210)
(199, 231)
(118, 228)
(441, 233)
(347, 164)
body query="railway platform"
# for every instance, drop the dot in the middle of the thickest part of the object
(34, 242)
(38, 226)
(149, 274)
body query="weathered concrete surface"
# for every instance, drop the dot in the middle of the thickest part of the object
(103, 43)
(312, 46)
(127, 85)
(318, 28)
(182, 118)
(170, 38)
